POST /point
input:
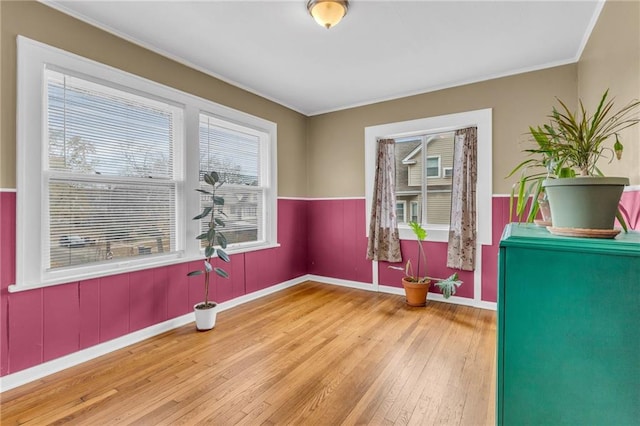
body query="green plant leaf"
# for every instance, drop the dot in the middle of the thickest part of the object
(208, 252)
(221, 272)
(215, 177)
(218, 201)
(204, 213)
(203, 191)
(418, 230)
(219, 222)
(194, 273)
(223, 255)
(208, 179)
(202, 236)
(222, 240)
(211, 233)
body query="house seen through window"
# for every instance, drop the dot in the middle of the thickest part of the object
(424, 165)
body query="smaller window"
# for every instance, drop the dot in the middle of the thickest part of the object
(447, 172)
(415, 211)
(400, 211)
(432, 168)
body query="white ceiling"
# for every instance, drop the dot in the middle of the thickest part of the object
(381, 50)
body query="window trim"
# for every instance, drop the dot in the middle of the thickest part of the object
(32, 56)
(482, 119)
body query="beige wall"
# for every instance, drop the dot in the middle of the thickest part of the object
(46, 25)
(611, 60)
(336, 140)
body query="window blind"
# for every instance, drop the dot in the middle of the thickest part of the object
(111, 192)
(235, 153)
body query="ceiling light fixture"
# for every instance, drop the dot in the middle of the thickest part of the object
(328, 13)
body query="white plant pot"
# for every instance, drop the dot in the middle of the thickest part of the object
(205, 318)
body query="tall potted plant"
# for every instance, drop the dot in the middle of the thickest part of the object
(416, 287)
(206, 311)
(582, 200)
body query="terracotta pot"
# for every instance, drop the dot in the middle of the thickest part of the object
(416, 293)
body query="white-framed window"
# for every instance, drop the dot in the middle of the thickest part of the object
(234, 152)
(447, 172)
(426, 130)
(401, 210)
(108, 164)
(414, 215)
(432, 166)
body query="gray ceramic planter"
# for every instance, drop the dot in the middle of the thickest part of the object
(586, 202)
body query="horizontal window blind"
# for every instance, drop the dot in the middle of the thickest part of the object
(234, 152)
(110, 176)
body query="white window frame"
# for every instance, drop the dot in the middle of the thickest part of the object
(445, 170)
(482, 119)
(31, 156)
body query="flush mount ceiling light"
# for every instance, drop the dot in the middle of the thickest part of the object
(328, 13)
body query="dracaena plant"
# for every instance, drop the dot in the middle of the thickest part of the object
(216, 241)
(448, 286)
(571, 144)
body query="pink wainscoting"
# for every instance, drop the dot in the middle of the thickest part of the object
(40, 325)
(7, 270)
(337, 240)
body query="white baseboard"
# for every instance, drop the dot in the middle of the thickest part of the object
(400, 292)
(39, 371)
(342, 283)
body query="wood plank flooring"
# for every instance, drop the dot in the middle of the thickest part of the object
(313, 354)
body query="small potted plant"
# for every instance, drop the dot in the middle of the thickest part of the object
(206, 311)
(569, 147)
(416, 287)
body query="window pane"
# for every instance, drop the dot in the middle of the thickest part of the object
(400, 212)
(97, 222)
(95, 129)
(433, 167)
(413, 179)
(235, 155)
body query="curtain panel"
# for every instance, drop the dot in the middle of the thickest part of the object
(461, 252)
(384, 241)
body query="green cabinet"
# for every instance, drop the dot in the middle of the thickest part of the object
(568, 329)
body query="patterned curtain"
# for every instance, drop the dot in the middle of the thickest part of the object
(461, 253)
(384, 242)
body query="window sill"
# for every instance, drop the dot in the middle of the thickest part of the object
(127, 266)
(435, 233)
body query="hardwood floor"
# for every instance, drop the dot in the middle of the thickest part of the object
(311, 354)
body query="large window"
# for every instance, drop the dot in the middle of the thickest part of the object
(424, 161)
(107, 164)
(111, 190)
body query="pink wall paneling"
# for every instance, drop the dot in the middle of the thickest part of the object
(337, 240)
(61, 322)
(7, 270)
(114, 306)
(89, 312)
